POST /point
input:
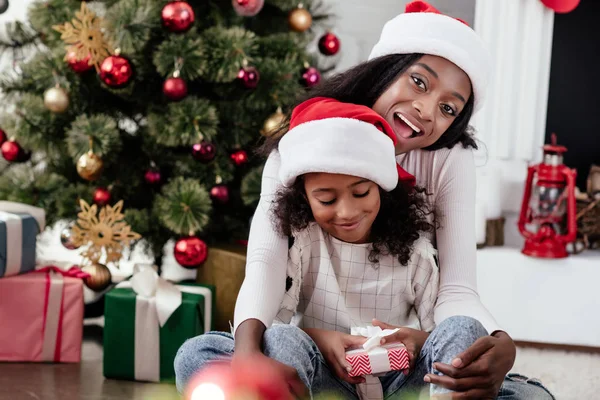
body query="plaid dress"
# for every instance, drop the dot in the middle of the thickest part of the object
(332, 285)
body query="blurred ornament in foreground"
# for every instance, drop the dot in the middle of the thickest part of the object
(3, 6)
(220, 194)
(310, 76)
(89, 166)
(252, 378)
(152, 176)
(204, 151)
(249, 77)
(239, 157)
(175, 88)
(100, 277)
(102, 196)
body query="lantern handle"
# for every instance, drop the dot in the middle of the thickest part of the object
(525, 204)
(571, 235)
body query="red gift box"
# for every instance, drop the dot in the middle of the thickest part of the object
(392, 357)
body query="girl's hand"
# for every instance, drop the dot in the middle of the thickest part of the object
(333, 346)
(412, 339)
(478, 372)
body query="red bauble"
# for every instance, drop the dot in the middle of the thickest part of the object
(561, 6)
(101, 196)
(175, 89)
(246, 377)
(249, 77)
(247, 8)
(152, 177)
(329, 44)
(79, 66)
(178, 16)
(3, 137)
(190, 252)
(239, 157)
(310, 77)
(220, 194)
(204, 151)
(116, 71)
(12, 151)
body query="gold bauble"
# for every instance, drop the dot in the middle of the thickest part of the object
(300, 19)
(56, 99)
(100, 277)
(273, 123)
(89, 166)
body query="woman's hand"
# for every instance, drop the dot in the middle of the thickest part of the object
(478, 372)
(286, 373)
(333, 346)
(412, 339)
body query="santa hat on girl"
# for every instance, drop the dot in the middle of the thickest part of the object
(326, 135)
(423, 29)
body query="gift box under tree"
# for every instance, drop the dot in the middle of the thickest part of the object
(41, 316)
(147, 319)
(19, 226)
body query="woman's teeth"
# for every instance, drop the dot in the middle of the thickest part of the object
(407, 122)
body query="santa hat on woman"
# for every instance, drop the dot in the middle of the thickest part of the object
(326, 135)
(423, 29)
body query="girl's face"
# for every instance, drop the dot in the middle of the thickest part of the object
(424, 101)
(344, 206)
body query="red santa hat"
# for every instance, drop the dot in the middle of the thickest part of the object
(326, 135)
(423, 29)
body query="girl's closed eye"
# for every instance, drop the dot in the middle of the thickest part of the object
(328, 202)
(364, 194)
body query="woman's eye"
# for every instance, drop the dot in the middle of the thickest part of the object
(448, 110)
(365, 194)
(419, 82)
(327, 203)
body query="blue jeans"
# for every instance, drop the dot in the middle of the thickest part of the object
(292, 346)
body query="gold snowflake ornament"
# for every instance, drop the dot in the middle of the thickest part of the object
(106, 232)
(83, 35)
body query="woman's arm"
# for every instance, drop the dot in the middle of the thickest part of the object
(455, 209)
(264, 285)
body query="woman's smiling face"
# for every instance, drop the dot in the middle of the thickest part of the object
(424, 101)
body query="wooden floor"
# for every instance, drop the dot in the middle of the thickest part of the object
(82, 381)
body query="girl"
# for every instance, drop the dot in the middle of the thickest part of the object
(357, 253)
(425, 76)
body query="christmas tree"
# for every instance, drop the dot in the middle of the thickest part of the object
(156, 103)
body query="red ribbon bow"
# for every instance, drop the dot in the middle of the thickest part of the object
(73, 272)
(424, 7)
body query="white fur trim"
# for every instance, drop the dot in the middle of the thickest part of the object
(338, 146)
(438, 35)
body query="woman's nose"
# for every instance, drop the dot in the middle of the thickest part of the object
(346, 210)
(425, 108)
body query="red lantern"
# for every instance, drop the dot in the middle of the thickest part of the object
(547, 219)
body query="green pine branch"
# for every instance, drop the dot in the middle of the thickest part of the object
(183, 51)
(184, 206)
(130, 24)
(226, 50)
(184, 123)
(101, 130)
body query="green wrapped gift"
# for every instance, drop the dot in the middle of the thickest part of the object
(146, 320)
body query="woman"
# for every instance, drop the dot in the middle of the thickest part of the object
(426, 76)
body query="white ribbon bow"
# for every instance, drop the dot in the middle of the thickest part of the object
(147, 284)
(374, 333)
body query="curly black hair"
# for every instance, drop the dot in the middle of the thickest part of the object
(402, 218)
(364, 84)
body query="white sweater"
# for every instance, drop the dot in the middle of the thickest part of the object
(447, 174)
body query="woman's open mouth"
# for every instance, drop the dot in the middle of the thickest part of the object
(404, 128)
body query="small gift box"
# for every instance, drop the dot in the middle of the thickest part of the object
(41, 316)
(374, 359)
(146, 320)
(19, 226)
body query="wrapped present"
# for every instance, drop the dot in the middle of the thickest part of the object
(146, 320)
(374, 359)
(19, 226)
(42, 316)
(224, 268)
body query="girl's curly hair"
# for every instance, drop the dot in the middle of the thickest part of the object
(402, 218)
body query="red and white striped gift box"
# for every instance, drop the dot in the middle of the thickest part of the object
(392, 357)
